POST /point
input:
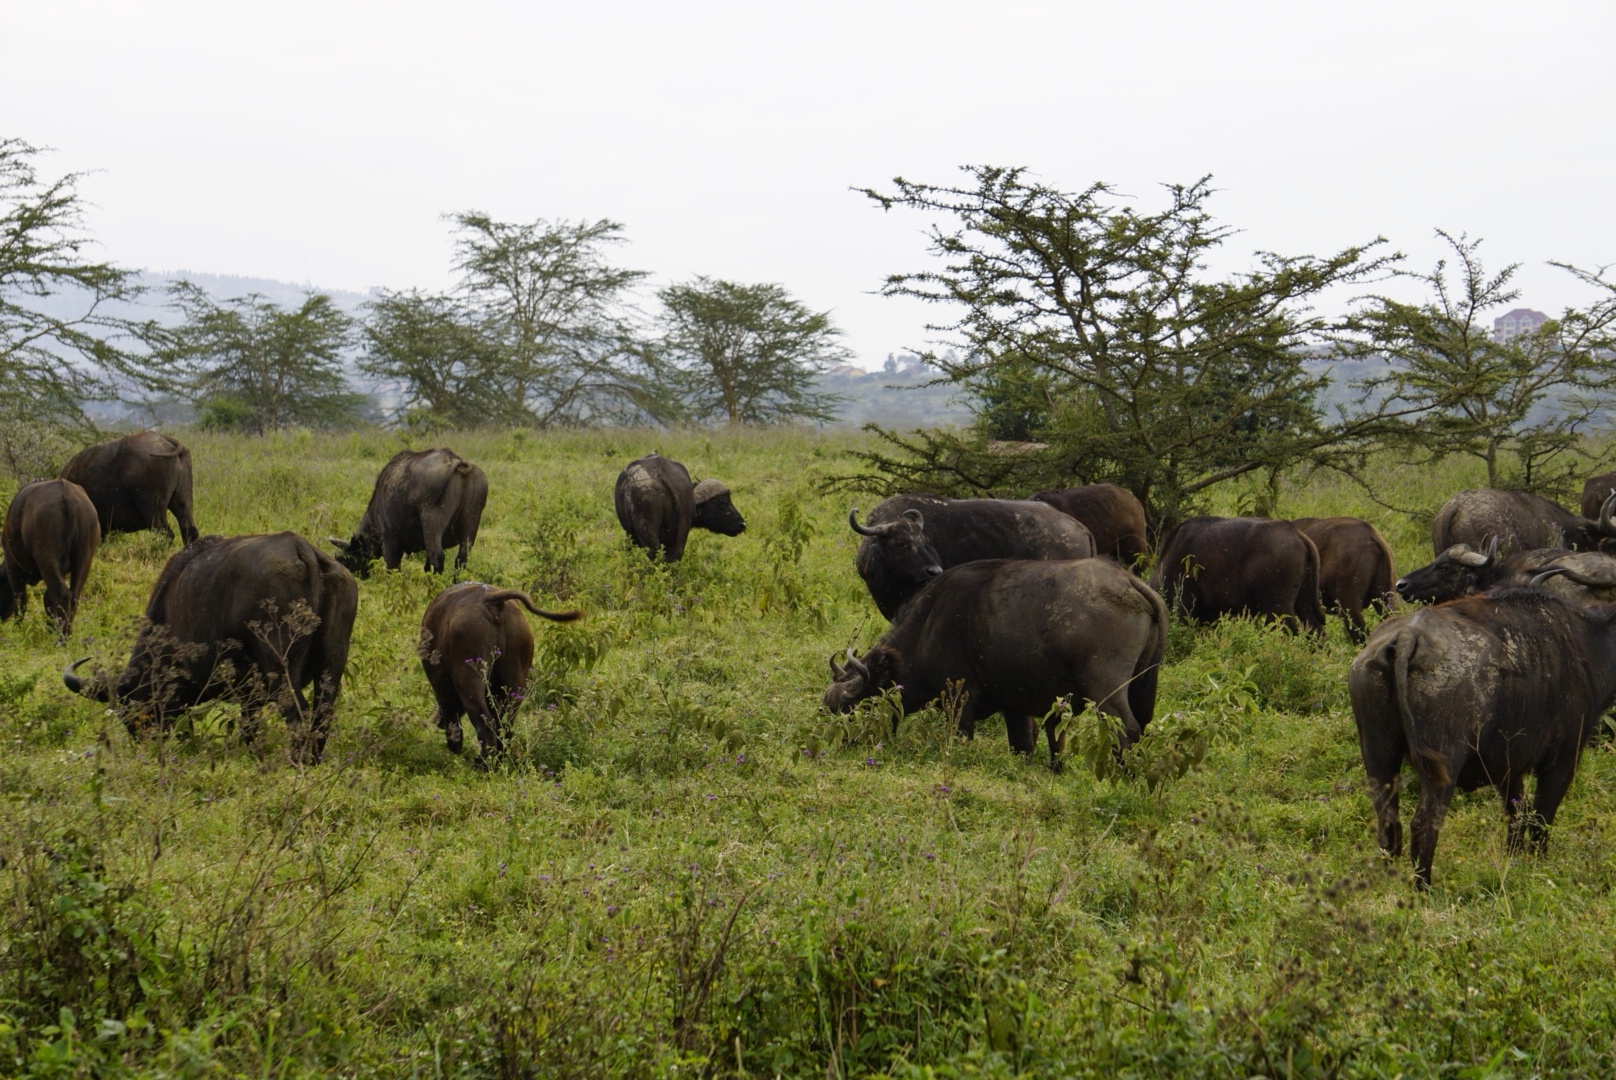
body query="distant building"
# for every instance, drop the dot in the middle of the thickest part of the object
(1513, 324)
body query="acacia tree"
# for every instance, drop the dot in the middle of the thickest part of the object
(432, 347)
(749, 353)
(257, 366)
(1526, 402)
(61, 344)
(556, 310)
(1101, 329)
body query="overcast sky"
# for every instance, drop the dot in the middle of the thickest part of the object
(322, 142)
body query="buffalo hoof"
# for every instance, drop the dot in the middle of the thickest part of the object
(455, 738)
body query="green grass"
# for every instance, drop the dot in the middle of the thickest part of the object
(684, 867)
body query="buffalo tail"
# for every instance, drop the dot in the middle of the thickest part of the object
(496, 597)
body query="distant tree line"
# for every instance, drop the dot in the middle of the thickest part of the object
(1091, 337)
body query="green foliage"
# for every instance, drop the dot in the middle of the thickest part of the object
(1097, 329)
(656, 879)
(748, 354)
(1527, 401)
(431, 345)
(257, 367)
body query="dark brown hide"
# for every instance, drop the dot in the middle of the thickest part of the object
(1581, 576)
(50, 535)
(1355, 568)
(255, 619)
(1110, 513)
(1520, 520)
(1211, 567)
(135, 482)
(1481, 691)
(908, 538)
(477, 649)
(424, 500)
(1594, 493)
(658, 504)
(1018, 635)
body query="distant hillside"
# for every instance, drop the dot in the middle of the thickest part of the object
(898, 399)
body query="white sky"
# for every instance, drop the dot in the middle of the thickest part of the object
(321, 142)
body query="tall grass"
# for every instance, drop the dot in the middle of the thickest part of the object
(683, 867)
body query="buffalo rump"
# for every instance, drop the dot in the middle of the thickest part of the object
(658, 504)
(1211, 567)
(1355, 568)
(50, 534)
(424, 500)
(1112, 514)
(135, 482)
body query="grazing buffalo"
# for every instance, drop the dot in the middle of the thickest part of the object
(1355, 568)
(910, 539)
(1017, 635)
(1594, 493)
(477, 650)
(50, 534)
(1579, 576)
(424, 500)
(1483, 690)
(255, 619)
(1212, 566)
(135, 482)
(658, 505)
(1114, 517)
(1520, 520)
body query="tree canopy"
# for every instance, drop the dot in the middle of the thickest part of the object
(431, 348)
(748, 354)
(1100, 332)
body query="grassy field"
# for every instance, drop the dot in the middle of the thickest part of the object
(684, 867)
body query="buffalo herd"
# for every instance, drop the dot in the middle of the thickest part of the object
(1007, 606)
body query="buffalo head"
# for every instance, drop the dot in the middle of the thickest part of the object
(905, 554)
(861, 678)
(1457, 571)
(357, 553)
(714, 511)
(1597, 534)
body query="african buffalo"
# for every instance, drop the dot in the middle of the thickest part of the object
(1594, 493)
(1520, 520)
(910, 539)
(477, 650)
(658, 505)
(50, 534)
(424, 500)
(1017, 635)
(1212, 566)
(1355, 568)
(1482, 690)
(254, 619)
(135, 482)
(1114, 517)
(1579, 576)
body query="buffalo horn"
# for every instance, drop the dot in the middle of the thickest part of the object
(340, 545)
(1587, 581)
(71, 680)
(866, 530)
(916, 517)
(1473, 558)
(1606, 524)
(857, 665)
(836, 673)
(1540, 578)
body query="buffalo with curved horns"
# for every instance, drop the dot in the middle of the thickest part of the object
(1017, 636)
(424, 500)
(1520, 520)
(910, 539)
(1579, 576)
(658, 504)
(253, 619)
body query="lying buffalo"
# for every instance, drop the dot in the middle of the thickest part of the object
(50, 534)
(1212, 566)
(1594, 493)
(424, 500)
(1018, 635)
(1579, 576)
(135, 482)
(1355, 568)
(910, 539)
(1520, 520)
(1111, 514)
(658, 505)
(477, 650)
(255, 619)
(1483, 690)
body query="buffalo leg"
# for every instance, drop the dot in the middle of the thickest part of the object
(433, 525)
(1428, 817)
(473, 691)
(449, 711)
(59, 597)
(1512, 790)
(1383, 796)
(1552, 785)
(1023, 732)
